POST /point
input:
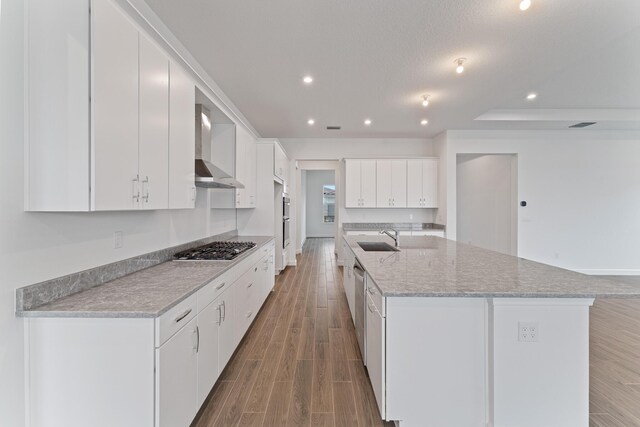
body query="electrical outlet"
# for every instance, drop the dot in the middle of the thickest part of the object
(117, 239)
(528, 331)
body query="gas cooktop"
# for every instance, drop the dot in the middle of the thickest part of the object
(215, 251)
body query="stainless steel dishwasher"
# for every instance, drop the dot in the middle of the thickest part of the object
(358, 272)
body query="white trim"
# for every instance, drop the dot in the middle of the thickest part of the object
(606, 272)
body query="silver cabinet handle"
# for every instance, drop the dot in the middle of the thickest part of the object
(250, 285)
(255, 269)
(220, 286)
(224, 311)
(197, 339)
(249, 314)
(136, 188)
(219, 308)
(146, 193)
(182, 316)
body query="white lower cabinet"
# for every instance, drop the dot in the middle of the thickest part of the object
(375, 343)
(209, 323)
(177, 378)
(349, 280)
(143, 372)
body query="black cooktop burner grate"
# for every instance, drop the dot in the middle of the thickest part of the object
(219, 251)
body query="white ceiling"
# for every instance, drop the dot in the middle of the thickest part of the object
(375, 58)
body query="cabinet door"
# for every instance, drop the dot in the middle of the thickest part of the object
(399, 183)
(177, 378)
(414, 183)
(114, 154)
(245, 168)
(430, 183)
(368, 183)
(247, 300)
(349, 282)
(383, 184)
(182, 152)
(153, 150)
(272, 268)
(375, 343)
(209, 320)
(352, 183)
(279, 161)
(226, 332)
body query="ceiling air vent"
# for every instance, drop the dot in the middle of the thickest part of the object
(582, 124)
(333, 127)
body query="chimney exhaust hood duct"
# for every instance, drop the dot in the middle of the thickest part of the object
(208, 175)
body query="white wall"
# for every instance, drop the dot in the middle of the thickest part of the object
(487, 201)
(582, 189)
(40, 246)
(313, 190)
(302, 212)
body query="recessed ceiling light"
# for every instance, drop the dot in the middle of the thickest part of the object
(424, 122)
(460, 65)
(425, 100)
(532, 96)
(525, 4)
(367, 122)
(307, 79)
(311, 122)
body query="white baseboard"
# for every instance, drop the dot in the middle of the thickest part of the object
(602, 272)
(298, 251)
(292, 263)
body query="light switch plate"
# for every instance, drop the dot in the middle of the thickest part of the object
(117, 239)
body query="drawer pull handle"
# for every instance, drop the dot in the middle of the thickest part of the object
(250, 285)
(224, 311)
(220, 286)
(183, 315)
(219, 308)
(255, 269)
(249, 314)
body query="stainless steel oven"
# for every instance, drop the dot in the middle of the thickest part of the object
(286, 220)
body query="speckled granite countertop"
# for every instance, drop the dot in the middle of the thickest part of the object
(437, 267)
(146, 293)
(399, 226)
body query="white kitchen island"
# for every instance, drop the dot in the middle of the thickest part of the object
(461, 336)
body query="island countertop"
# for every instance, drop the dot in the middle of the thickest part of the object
(435, 267)
(146, 293)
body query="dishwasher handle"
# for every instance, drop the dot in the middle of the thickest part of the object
(358, 270)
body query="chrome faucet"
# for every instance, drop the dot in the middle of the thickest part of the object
(395, 236)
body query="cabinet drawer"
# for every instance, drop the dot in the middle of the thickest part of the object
(375, 295)
(174, 319)
(210, 292)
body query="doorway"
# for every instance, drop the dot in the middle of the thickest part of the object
(320, 203)
(486, 199)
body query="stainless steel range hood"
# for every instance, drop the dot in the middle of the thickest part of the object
(208, 175)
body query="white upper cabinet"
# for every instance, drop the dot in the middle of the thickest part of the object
(116, 182)
(153, 148)
(391, 183)
(422, 183)
(100, 119)
(246, 163)
(281, 163)
(182, 152)
(360, 183)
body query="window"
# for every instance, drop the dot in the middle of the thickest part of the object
(329, 203)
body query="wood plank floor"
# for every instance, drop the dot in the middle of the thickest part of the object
(614, 351)
(299, 364)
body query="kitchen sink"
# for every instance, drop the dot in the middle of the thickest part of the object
(377, 247)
